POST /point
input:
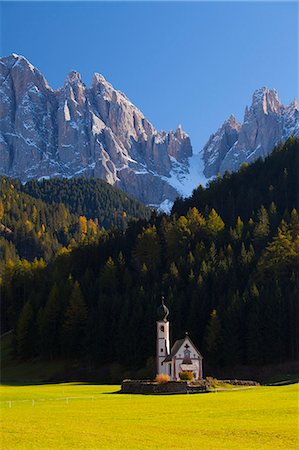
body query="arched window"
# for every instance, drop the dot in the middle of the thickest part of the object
(187, 354)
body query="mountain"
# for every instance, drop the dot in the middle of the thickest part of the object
(266, 123)
(84, 131)
(96, 132)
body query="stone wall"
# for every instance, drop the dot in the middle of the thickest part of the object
(241, 382)
(150, 387)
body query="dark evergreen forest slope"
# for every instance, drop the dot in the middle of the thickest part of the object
(40, 219)
(226, 261)
(92, 198)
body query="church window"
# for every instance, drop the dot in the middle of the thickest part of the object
(187, 354)
(162, 328)
(161, 350)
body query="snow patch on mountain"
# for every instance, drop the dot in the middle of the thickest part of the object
(185, 178)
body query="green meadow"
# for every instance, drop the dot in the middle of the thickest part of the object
(84, 416)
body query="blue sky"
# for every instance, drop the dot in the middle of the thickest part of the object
(192, 63)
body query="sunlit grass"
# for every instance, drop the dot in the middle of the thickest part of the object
(50, 416)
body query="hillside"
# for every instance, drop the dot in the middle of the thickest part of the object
(39, 219)
(227, 267)
(92, 198)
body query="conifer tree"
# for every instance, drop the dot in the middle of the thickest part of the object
(147, 249)
(74, 326)
(261, 230)
(1, 211)
(214, 339)
(50, 324)
(214, 223)
(24, 334)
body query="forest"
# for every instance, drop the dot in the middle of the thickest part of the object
(89, 197)
(226, 260)
(39, 219)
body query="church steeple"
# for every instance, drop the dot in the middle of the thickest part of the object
(162, 311)
(163, 345)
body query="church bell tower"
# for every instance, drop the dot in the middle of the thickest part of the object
(162, 337)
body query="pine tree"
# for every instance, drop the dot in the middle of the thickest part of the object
(214, 339)
(196, 221)
(1, 211)
(50, 324)
(282, 254)
(74, 327)
(261, 230)
(214, 223)
(147, 249)
(173, 270)
(178, 238)
(237, 232)
(25, 332)
(108, 276)
(82, 227)
(253, 337)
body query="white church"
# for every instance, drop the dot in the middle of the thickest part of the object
(183, 355)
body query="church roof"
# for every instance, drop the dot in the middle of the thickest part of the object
(174, 350)
(176, 346)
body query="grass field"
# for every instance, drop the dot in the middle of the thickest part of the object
(82, 416)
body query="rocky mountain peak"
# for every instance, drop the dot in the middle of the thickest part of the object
(102, 87)
(218, 145)
(232, 122)
(267, 100)
(99, 78)
(293, 105)
(14, 58)
(73, 77)
(21, 74)
(180, 133)
(266, 122)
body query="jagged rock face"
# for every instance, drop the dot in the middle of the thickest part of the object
(266, 123)
(219, 144)
(81, 131)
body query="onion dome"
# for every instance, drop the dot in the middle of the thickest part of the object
(162, 311)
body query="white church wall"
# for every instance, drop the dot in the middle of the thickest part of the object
(192, 349)
(194, 356)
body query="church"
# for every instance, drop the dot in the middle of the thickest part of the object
(183, 356)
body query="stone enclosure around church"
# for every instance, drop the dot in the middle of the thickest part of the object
(152, 387)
